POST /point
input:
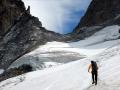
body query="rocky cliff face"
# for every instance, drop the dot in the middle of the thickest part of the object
(20, 32)
(9, 12)
(100, 11)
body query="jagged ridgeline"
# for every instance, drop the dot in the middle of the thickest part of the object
(20, 32)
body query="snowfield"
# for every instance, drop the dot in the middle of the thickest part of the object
(70, 61)
(57, 53)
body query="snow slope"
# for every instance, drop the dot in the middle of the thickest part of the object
(103, 47)
(57, 53)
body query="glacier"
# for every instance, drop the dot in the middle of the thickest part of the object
(66, 64)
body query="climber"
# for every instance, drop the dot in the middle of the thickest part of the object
(94, 71)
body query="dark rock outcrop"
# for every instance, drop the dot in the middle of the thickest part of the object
(100, 11)
(20, 32)
(9, 12)
(15, 72)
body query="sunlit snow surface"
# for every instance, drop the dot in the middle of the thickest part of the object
(103, 47)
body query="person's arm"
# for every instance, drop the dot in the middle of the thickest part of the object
(89, 67)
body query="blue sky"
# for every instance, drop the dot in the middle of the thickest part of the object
(70, 25)
(58, 15)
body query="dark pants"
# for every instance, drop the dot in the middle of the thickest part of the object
(94, 76)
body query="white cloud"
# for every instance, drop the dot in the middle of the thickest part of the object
(53, 13)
